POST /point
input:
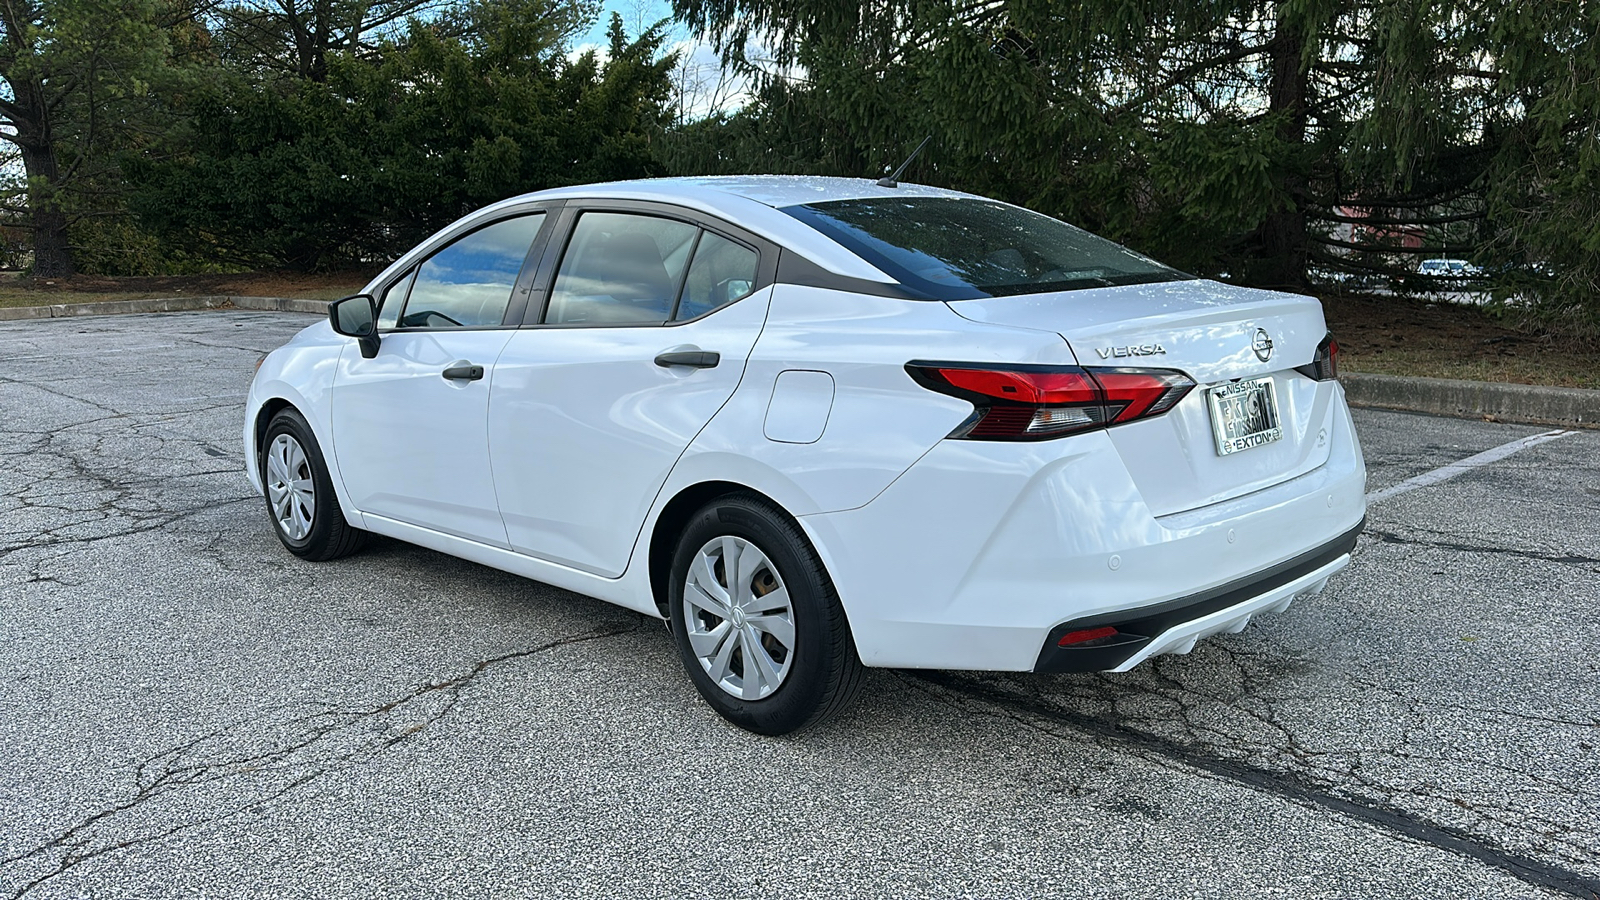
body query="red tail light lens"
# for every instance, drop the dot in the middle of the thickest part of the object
(1031, 403)
(1325, 365)
(1137, 393)
(1026, 386)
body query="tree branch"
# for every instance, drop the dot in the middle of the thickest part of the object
(1437, 220)
(1453, 249)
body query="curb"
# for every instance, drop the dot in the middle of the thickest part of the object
(164, 304)
(1524, 403)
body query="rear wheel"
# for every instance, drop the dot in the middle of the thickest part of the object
(756, 619)
(300, 499)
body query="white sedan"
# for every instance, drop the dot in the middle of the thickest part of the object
(818, 424)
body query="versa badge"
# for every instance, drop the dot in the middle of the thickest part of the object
(1130, 350)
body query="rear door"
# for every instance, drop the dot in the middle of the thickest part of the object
(650, 315)
(411, 424)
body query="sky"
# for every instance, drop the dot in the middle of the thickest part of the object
(699, 78)
(635, 13)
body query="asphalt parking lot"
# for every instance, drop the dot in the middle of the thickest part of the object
(187, 710)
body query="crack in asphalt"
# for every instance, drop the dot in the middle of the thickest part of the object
(141, 526)
(216, 346)
(103, 477)
(1237, 706)
(1389, 537)
(1288, 785)
(309, 746)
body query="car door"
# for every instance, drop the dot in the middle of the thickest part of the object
(411, 424)
(644, 336)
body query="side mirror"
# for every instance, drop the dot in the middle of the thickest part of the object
(357, 316)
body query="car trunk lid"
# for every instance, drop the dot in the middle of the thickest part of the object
(1216, 334)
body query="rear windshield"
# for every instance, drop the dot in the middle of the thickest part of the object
(957, 248)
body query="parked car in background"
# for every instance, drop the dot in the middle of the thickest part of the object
(818, 424)
(1448, 268)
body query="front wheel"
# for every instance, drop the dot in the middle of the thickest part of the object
(758, 624)
(300, 499)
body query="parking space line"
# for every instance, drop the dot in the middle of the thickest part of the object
(1445, 473)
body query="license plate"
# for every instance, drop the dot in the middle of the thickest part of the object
(1244, 414)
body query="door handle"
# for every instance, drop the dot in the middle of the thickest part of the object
(694, 359)
(464, 373)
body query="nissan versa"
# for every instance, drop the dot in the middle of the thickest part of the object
(818, 424)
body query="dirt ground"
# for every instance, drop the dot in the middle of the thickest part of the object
(1401, 336)
(1389, 335)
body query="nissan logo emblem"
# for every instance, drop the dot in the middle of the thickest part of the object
(1262, 345)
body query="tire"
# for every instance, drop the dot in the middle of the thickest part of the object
(290, 457)
(787, 621)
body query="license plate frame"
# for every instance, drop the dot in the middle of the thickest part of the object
(1244, 415)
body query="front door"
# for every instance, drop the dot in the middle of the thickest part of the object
(648, 326)
(410, 425)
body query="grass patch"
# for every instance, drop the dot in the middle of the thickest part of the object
(1552, 369)
(20, 290)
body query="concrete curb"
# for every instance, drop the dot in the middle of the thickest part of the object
(1525, 403)
(160, 305)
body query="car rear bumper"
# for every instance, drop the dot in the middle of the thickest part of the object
(1176, 625)
(982, 552)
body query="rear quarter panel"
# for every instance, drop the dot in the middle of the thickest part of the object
(880, 421)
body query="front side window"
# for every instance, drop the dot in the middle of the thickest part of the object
(956, 248)
(390, 301)
(468, 284)
(721, 273)
(620, 269)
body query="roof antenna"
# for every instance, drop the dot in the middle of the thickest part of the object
(891, 181)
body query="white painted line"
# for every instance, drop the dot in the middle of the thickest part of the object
(1445, 473)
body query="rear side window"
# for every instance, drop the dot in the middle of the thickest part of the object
(956, 248)
(721, 273)
(620, 269)
(468, 284)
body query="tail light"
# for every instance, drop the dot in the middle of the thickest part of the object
(1035, 403)
(1325, 365)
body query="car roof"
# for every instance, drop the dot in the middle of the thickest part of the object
(776, 191)
(752, 202)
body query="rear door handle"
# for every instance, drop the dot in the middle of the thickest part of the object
(694, 359)
(464, 373)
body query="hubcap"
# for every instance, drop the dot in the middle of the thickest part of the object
(738, 618)
(289, 487)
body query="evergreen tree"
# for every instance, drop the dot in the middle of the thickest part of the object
(395, 143)
(1261, 140)
(74, 74)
